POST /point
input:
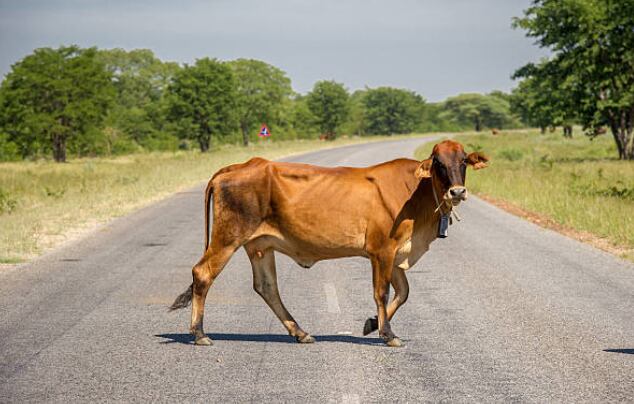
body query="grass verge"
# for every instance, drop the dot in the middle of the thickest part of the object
(574, 186)
(43, 204)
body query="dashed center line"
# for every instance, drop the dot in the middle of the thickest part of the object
(350, 399)
(331, 298)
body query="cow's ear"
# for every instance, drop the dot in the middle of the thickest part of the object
(424, 169)
(477, 160)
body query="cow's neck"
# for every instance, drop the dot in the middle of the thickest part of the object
(422, 207)
(441, 205)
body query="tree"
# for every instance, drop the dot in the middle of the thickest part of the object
(591, 42)
(140, 79)
(302, 120)
(392, 110)
(329, 104)
(53, 97)
(201, 101)
(543, 99)
(261, 92)
(355, 122)
(479, 111)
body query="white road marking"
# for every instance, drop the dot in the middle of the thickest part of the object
(331, 298)
(350, 399)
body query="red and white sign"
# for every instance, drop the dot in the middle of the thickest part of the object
(264, 131)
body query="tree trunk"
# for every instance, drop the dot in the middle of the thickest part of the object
(623, 136)
(567, 131)
(542, 129)
(478, 124)
(629, 140)
(59, 148)
(245, 134)
(203, 142)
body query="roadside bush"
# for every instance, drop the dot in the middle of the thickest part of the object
(7, 203)
(124, 145)
(8, 150)
(511, 154)
(617, 191)
(161, 141)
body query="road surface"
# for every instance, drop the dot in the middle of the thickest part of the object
(501, 310)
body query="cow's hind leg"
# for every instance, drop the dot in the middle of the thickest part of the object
(401, 289)
(265, 284)
(204, 274)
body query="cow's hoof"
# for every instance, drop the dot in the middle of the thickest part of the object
(306, 339)
(394, 342)
(371, 325)
(204, 341)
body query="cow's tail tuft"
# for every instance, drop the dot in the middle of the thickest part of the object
(183, 299)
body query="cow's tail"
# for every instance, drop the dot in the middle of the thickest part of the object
(208, 192)
(183, 299)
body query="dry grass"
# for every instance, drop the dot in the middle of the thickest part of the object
(43, 204)
(575, 186)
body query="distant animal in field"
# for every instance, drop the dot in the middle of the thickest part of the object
(388, 213)
(495, 131)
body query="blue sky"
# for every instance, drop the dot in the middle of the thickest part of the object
(436, 48)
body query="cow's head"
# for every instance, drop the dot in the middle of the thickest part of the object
(447, 167)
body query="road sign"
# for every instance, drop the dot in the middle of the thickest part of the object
(264, 131)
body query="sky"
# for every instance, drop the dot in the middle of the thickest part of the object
(435, 48)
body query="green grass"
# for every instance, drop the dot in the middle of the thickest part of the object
(578, 183)
(43, 203)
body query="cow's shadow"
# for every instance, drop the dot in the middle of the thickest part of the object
(188, 339)
(628, 351)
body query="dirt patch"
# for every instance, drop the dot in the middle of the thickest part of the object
(548, 223)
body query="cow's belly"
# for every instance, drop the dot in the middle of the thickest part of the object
(306, 250)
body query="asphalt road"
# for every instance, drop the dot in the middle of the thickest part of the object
(501, 310)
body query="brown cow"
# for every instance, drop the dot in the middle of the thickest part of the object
(388, 213)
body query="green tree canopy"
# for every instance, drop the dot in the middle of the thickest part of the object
(201, 101)
(592, 44)
(392, 110)
(302, 120)
(262, 91)
(478, 111)
(355, 122)
(140, 79)
(328, 101)
(544, 99)
(52, 97)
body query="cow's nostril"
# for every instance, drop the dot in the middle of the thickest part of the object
(456, 192)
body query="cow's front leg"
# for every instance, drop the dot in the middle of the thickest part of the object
(381, 277)
(401, 292)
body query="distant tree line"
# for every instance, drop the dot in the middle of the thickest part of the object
(89, 102)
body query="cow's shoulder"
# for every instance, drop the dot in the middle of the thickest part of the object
(395, 182)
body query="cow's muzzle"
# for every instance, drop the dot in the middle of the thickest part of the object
(457, 194)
